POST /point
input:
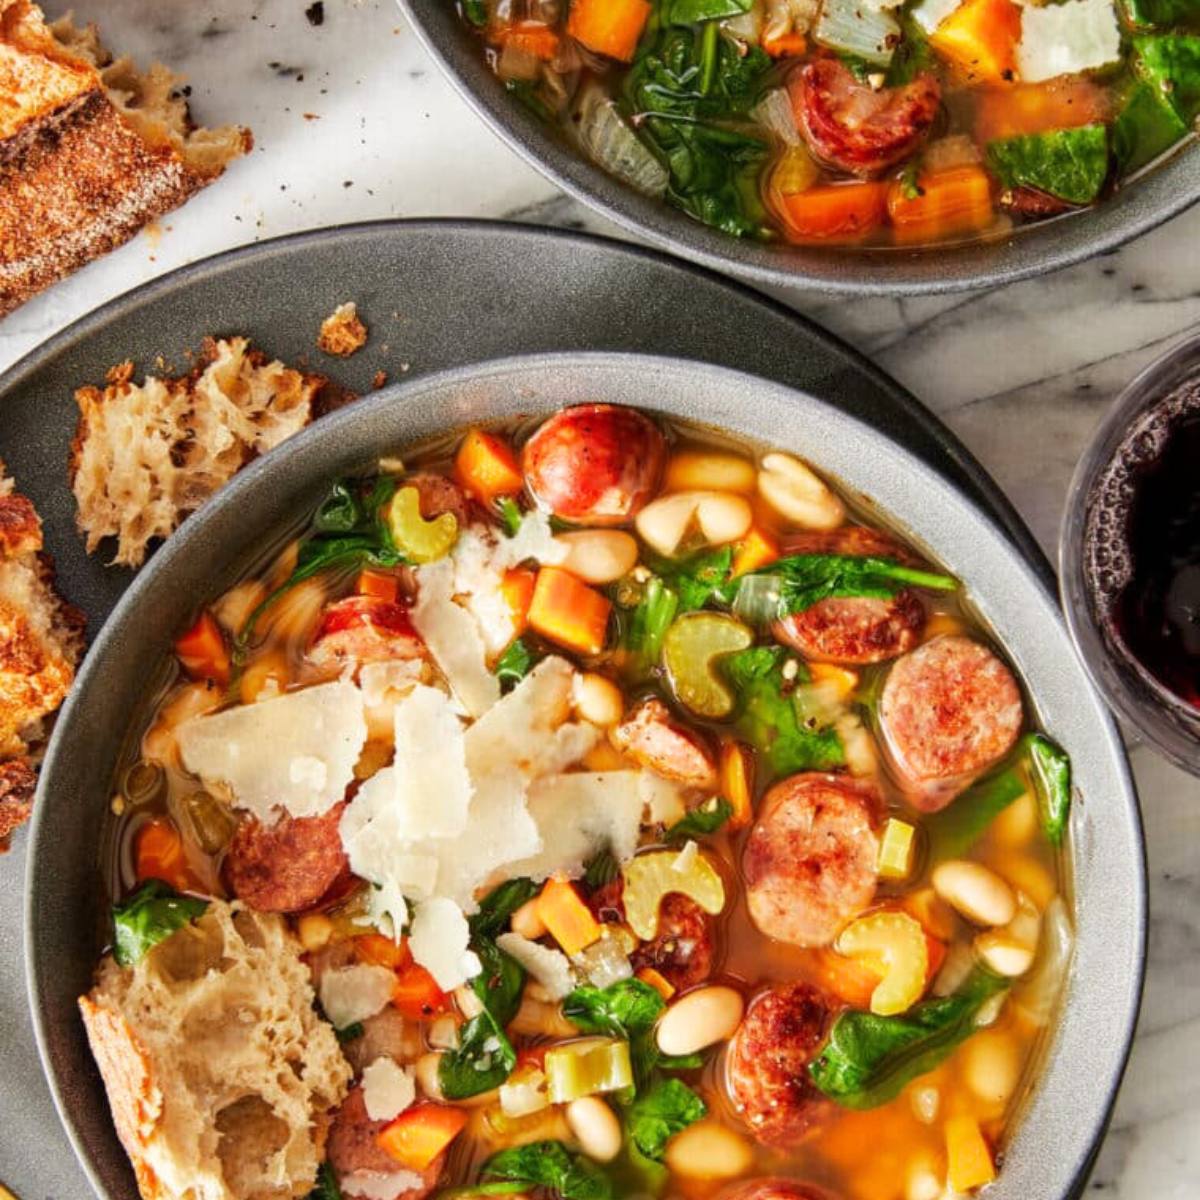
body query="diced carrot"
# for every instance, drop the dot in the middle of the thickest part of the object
(416, 994)
(980, 40)
(787, 45)
(955, 201)
(611, 27)
(935, 955)
(517, 589)
(968, 1158)
(849, 979)
(487, 467)
(381, 951)
(565, 915)
(568, 612)
(661, 985)
(202, 652)
(268, 669)
(835, 212)
(755, 550)
(1004, 112)
(531, 37)
(381, 584)
(158, 854)
(736, 773)
(419, 1134)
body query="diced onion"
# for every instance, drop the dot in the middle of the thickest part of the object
(609, 142)
(1038, 995)
(850, 27)
(774, 112)
(757, 600)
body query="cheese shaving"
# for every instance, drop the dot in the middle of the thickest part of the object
(438, 939)
(352, 994)
(388, 1088)
(381, 1185)
(551, 968)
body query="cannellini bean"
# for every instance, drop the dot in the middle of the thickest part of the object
(922, 1181)
(1011, 950)
(708, 1150)
(700, 470)
(595, 1127)
(598, 699)
(535, 1018)
(699, 1019)
(979, 894)
(721, 517)
(314, 931)
(796, 493)
(992, 1066)
(426, 1072)
(599, 555)
(527, 922)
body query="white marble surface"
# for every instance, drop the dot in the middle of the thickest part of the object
(353, 122)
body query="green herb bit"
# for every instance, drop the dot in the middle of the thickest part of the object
(498, 906)
(148, 917)
(510, 514)
(655, 1117)
(550, 1165)
(326, 1187)
(648, 625)
(600, 870)
(515, 663)
(705, 819)
(349, 1033)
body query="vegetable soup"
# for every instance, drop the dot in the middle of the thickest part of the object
(651, 819)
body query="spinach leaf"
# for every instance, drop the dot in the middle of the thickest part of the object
(1071, 164)
(500, 983)
(868, 1060)
(601, 870)
(698, 579)
(954, 830)
(1172, 63)
(476, 12)
(349, 1033)
(550, 1165)
(326, 1187)
(1145, 127)
(707, 818)
(692, 12)
(768, 717)
(1143, 13)
(655, 1117)
(912, 56)
(647, 625)
(340, 511)
(1051, 770)
(148, 917)
(515, 663)
(483, 1060)
(499, 905)
(619, 1010)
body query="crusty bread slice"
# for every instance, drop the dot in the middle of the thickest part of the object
(221, 1077)
(146, 456)
(90, 150)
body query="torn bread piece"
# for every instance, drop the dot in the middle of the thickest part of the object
(221, 1076)
(145, 455)
(343, 332)
(41, 641)
(91, 150)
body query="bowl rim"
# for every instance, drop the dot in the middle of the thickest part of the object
(1062, 1098)
(1168, 189)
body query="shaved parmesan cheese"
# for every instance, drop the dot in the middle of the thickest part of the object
(352, 994)
(453, 638)
(664, 799)
(297, 750)
(1062, 39)
(551, 968)
(433, 789)
(384, 682)
(686, 857)
(387, 909)
(579, 815)
(388, 1088)
(381, 1185)
(438, 940)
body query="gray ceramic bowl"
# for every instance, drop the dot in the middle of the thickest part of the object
(1034, 250)
(1067, 1113)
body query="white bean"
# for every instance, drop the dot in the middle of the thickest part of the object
(595, 1127)
(1010, 951)
(796, 493)
(701, 470)
(979, 894)
(598, 699)
(426, 1071)
(599, 555)
(992, 1066)
(698, 1019)
(314, 931)
(527, 922)
(720, 516)
(707, 1150)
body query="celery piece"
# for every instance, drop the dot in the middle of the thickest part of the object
(1146, 126)
(421, 541)
(849, 27)
(689, 650)
(1171, 63)
(1071, 164)
(896, 850)
(587, 1068)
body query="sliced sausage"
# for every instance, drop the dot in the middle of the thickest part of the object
(389, 1032)
(809, 862)
(596, 463)
(853, 630)
(353, 1148)
(287, 866)
(436, 495)
(777, 1188)
(654, 739)
(855, 127)
(766, 1066)
(948, 711)
(362, 629)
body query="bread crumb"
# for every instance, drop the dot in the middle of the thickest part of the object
(342, 332)
(380, 380)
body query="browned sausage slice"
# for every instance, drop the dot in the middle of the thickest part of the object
(777, 1188)
(766, 1066)
(596, 463)
(362, 629)
(654, 739)
(853, 630)
(436, 495)
(353, 1148)
(682, 950)
(287, 866)
(858, 128)
(810, 860)
(948, 711)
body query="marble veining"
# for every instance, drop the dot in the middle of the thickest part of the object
(353, 122)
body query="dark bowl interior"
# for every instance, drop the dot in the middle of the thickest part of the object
(1032, 250)
(1066, 1114)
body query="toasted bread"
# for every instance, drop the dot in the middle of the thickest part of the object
(343, 332)
(144, 456)
(220, 1075)
(90, 150)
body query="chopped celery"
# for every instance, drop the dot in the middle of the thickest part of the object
(650, 877)
(1145, 127)
(896, 850)
(587, 1068)
(690, 648)
(648, 624)
(1171, 63)
(1071, 164)
(419, 540)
